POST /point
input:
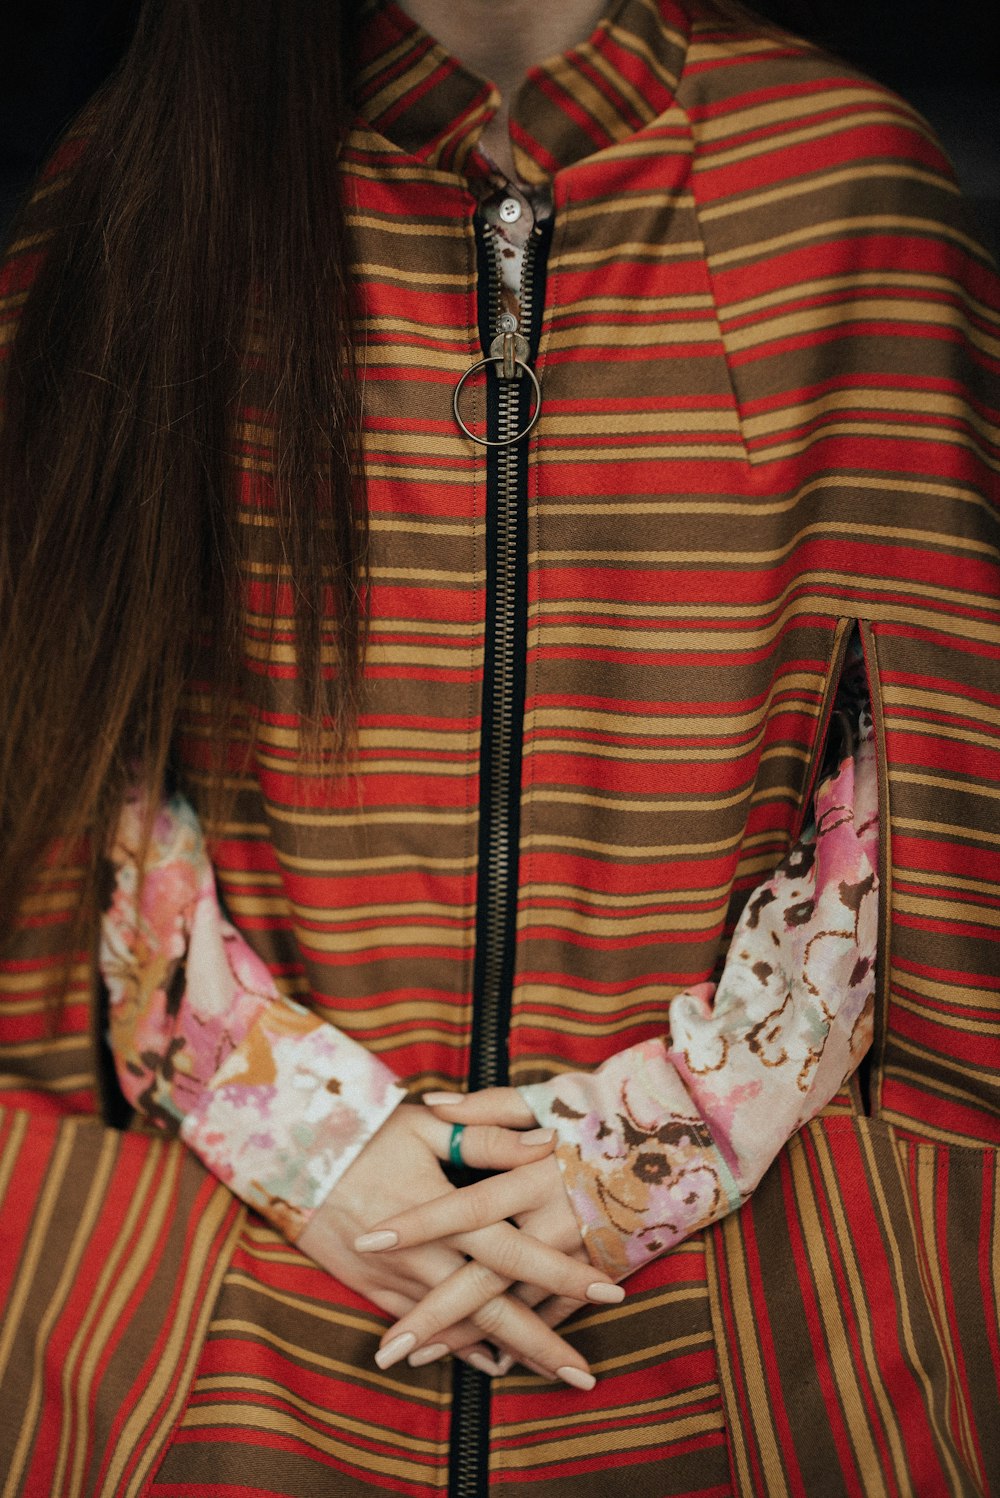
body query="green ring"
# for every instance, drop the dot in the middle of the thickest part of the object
(455, 1145)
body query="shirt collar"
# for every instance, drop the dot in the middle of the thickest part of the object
(428, 104)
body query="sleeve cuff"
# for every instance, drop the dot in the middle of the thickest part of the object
(675, 1132)
(288, 1111)
(637, 1159)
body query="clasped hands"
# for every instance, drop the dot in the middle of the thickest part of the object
(486, 1271)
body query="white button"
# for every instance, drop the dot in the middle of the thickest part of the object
(510, 210)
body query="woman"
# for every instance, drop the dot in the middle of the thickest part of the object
(490, 763)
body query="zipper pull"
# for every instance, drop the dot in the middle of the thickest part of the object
(509, 349)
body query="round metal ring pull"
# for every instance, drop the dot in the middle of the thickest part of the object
(495, 441)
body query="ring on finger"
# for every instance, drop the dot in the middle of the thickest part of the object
(455, 1145)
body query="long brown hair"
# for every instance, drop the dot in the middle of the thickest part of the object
(198, 262)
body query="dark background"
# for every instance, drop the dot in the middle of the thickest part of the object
(940, 54)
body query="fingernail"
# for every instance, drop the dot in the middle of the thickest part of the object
(430, 1354)
(576, 1377)
(443, 1099)
(608, 1295)
(535, 1137)
(371, 1242)
(484, 1364)
(394, 1350)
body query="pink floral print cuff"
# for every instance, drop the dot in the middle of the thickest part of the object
(274, 1100)
(674, 1133)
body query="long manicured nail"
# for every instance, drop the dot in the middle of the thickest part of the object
(443, 1099)
(535, 1137)
(394, 1350)
(370, 1243)
(429, 1354)
(576, 1377)
(606, 1295)
(484, 1364)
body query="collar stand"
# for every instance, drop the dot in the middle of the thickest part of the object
(428, 104)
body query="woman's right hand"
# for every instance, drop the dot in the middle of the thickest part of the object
(400, 1168)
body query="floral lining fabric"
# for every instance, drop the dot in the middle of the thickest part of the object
(661, 1140)
(674, 1133)
(275, 1101)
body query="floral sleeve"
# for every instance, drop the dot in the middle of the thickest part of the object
(674, 1133)
(274, 1100)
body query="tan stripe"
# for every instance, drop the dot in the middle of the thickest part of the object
(905, 280)
(944, 1448)
(827, 182)
(50, 1086)
(535, 1455)
(267, 1389)
(258, 1417)
(392, 817)
(56, 1046)
(335, 1315)
(986, 1077)
(78, 1243)
(752, 150)
(435, 280)
(794, 107)
(623, 854)
(870, 399)
(19, 1123)
(944, 910)
(751, 560)
(313, 1357)
(637, 249)
(879, 429)
(635, 1411)
(416, 937)
(584, 897)
(808, 320)
(946, 831)
(926, 1205)
(384, 864)
(904, 1121)
(938, 702)
(938, 989)
(746, 1356)
(827, 1298)
(194, 1308)
(961, 785)
(123, 1268)
(32, 1255)
(842, 228)
(581, 923)
(615, 422)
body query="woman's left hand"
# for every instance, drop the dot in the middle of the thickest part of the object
(480, 1220)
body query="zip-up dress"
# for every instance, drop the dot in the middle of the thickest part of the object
(765, 345)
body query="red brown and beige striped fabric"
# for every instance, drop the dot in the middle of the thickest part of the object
(769, 354)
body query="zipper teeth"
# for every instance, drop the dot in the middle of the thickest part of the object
(499, 894)
(470, 1431)
(470, 1419)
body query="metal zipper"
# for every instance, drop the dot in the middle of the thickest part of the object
(497, 868)
(508, 396)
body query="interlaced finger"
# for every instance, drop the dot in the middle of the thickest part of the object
(474, 1293)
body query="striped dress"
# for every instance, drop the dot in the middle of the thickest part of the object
(600, 676)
